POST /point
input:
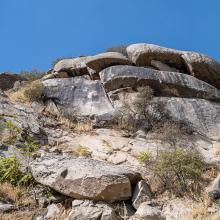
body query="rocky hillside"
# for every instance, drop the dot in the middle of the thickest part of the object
(132, 133)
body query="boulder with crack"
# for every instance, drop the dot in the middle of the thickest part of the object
(196, 64)
(164, 83)
(85, 178)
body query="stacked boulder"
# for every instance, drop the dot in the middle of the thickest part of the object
(187, 80)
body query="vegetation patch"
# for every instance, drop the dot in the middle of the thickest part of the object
(179, 170)
(31, 92)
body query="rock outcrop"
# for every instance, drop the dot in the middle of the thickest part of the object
(84, 178)
(79, 95)
(163, 83)
(198, 65)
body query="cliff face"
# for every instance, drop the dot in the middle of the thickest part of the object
(104, 121)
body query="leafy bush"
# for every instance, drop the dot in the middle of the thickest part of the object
(10, 172)
(179, 170)
(143, 157)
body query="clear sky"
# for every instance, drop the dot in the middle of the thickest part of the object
(33, 33)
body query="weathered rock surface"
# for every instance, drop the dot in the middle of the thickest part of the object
(84, 178)
(86, 210)
(104, 60)
(202, 115)
(7, 80)
(142, 193)
(79, 95)
(72, 67)
(198, 65)
(163, 82)
(147, 212)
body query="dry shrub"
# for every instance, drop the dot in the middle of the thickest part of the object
(30, 92)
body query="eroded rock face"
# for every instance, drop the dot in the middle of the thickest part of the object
(163, 82)
(104, 60)
(79, 95)
(198, 65)
(84, 178)
(202, 115)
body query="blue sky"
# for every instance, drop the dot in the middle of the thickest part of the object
(33, 33)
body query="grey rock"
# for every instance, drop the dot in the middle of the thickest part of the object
(147, 212)
(79, 95)
(202, 115)
(142, 54)
(196, 64)
(5, 207)
(162, 66)
(142, 193)
(162, 82)
(90, 210)
(72, 67)
(84, 178)
(52, 211)
(214, 189)
(104, 60)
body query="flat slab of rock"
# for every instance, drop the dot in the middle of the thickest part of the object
(163, 82)
(84, 178)
(196, 64)
(78, 95)
(104, 60)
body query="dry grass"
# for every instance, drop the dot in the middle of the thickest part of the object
(75, 126)
(25, 205)
(30, 92)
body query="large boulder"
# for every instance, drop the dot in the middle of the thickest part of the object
(72, 67)
(104, 60)
(84, 178)
(79, 95)
(164, 83)
(196, 64)
(7, 80)
(143, 54)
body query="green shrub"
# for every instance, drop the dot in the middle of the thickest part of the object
(10, 172)
(83, 151)
(143, 157)
(179, 170)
